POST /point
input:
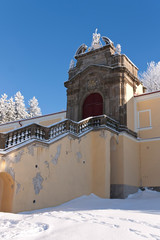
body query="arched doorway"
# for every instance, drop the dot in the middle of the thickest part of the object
(6, 192)
(93, 105)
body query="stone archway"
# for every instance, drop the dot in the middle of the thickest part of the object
(92, 106)
(6, 192)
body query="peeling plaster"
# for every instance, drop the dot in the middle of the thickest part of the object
(13, 158)
(37, 182)
(11, 172)
(17, 157)
(31, 150)
(55, 158)
(47, 164)
(7, 158)
(18, 188)
(79, 156)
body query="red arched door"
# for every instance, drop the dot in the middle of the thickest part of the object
(93, 105)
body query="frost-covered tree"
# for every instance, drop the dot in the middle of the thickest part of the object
(3, 108)
(11, 111)
(151, 77)
(34, 110)
(14, 109)
(20, 109)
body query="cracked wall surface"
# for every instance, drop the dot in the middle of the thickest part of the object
(48, 175)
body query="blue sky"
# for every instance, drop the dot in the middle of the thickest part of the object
(38, 38)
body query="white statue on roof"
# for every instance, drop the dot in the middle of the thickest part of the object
(96, 43)
(71, 66)
(118, 49)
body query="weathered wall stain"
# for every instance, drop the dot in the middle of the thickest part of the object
(31, 150)
(70, 138)
(17, 157)
(37, 183)
(47, 164)
(55, 158)
(18, 188)
(7, 159)
(103, 134)
(79, 156)
(11, 172)
(13, 159)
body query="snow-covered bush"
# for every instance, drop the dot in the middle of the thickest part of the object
(151, 77)
(15, 109)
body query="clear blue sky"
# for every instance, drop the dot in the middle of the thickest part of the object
(38, 38)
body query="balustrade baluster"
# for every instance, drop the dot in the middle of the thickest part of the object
(15, 139)
(54, 132)
(51, 133)
(23, 136)
(40, 134)
(10, 140)
(6, 142)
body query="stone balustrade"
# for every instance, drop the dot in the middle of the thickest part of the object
(41, 133)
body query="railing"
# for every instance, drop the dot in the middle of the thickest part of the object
(38, 132)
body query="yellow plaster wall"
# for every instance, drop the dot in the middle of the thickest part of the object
(116, 160)
(48, 175)
(144, 119)
(125, 162)
(43, 123)
(154, 129)
(6, 129)
(6, 192)
(50, 122)
(44, 120)
(150, 163)
(131, 161)
(101, 163)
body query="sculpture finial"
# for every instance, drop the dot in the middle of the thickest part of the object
(96, 39)
(71, 66)
(118, 49)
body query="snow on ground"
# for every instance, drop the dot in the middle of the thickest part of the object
(90, 218)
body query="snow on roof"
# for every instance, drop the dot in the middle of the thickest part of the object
(144, 94)
(43, 116)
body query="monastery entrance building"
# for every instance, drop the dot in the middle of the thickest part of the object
(106, 142)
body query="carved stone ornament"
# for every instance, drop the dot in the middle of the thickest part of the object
(92, 84)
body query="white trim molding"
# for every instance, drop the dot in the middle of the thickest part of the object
(150, 121)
